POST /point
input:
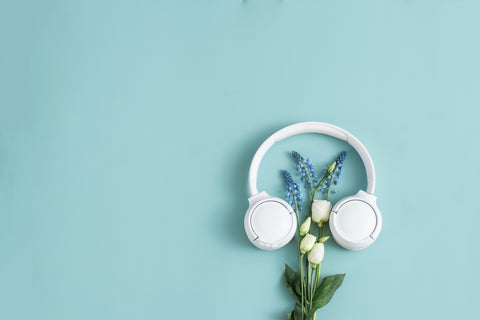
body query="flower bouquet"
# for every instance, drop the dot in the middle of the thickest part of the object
(309, 290)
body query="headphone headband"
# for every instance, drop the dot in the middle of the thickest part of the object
(312, 127)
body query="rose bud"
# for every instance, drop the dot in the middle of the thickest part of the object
(307, 243)
(321, 211)
(315, 256)
(305, 227)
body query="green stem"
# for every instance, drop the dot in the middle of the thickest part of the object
(309, 280)
(317, 278)
(298, 222)
(319, 185)
(300, 256)
(317, 282)
(310, 181)
(318, 271)
(329, 188)
(312, 284)
(302, 283)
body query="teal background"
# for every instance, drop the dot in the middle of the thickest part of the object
(127, 129)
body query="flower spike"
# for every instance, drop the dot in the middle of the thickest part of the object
(336, 173)
(305, 168)
(293, 193)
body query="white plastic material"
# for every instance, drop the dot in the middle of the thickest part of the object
(270, 222)
(355, 221)
(312, 127)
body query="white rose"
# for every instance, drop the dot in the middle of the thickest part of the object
(315, 256)
(305, 227)
(321, 211)
(307, 243)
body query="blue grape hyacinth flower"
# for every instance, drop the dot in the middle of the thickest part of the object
(335, 175)
(293, 193)
(305, 168)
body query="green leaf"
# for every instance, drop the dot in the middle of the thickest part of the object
(297, 311)
(324, 293)
(326, 290)
(291, 279)
(290, 316)
(323, 239)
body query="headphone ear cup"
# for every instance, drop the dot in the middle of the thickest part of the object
(270, 222)
(356, 222)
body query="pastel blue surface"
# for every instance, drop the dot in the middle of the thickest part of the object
(127, 129)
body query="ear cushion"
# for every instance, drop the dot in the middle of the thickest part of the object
(356, 221)
(270, 223)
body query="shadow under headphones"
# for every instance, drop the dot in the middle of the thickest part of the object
(355, 221)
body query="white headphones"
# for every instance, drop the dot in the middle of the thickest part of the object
(355, 221)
